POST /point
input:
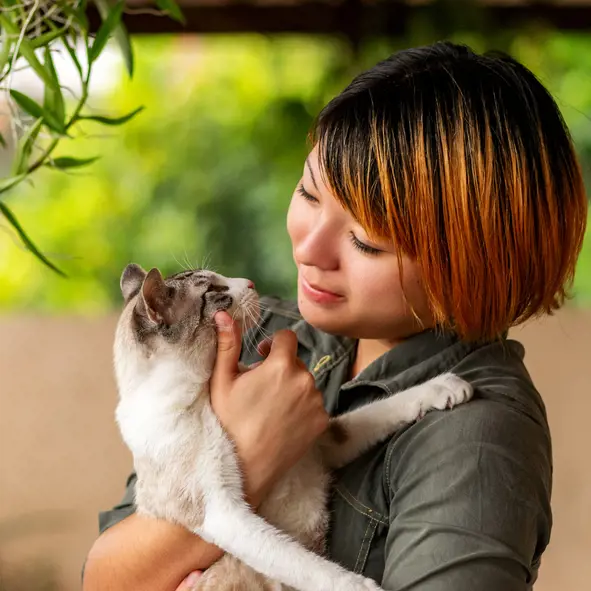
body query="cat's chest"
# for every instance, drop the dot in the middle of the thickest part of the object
(157, 426)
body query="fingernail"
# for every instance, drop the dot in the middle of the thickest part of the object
(223, 321)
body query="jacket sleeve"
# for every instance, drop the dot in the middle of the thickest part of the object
(122, 510)
(470, 501)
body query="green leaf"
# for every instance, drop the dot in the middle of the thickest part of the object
(4, 50)
(2, 141)
(10, 182)
(64, 162)
(172, 9)
(26, 50)
(70, 49)
(27, 104)
(112, 19)
(112, 120)
(26, 147)
(120, 34)
(45, 39)
(36, 110)
(5, 210)
(53, 101)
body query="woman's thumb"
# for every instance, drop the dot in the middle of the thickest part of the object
(229, 347)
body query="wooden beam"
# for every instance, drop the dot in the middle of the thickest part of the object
(351, 18)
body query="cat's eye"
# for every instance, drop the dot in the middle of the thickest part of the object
(301, 191)
(362, 247)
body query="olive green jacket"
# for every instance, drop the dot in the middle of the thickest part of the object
(459, 501)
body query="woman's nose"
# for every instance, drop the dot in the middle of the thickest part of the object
(317, 250)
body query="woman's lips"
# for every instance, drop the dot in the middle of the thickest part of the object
(317, 294)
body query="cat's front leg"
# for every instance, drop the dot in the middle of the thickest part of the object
(228, 522)
(353, 433)
(234, 528)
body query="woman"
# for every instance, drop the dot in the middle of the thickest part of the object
(441, 204)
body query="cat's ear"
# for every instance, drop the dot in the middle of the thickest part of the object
(158, 298)
(131, 281)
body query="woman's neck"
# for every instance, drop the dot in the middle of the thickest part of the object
(368, 350)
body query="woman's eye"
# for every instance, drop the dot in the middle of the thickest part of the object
(305, 194)
(362, 247)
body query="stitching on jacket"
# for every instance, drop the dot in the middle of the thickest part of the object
(388, 461)
(356, 504)
(356, 567)
(368, 545)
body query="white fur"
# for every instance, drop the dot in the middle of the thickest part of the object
(188, 472)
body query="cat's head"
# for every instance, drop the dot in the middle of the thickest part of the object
(175, 315)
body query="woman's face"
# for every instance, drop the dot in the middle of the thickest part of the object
(347, 284)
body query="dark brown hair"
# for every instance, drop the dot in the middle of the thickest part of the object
(465, 162)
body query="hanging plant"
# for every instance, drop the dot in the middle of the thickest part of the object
(31, 32)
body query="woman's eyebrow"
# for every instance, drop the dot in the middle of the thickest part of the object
(311, 173)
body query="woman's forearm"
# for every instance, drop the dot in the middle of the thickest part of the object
(145, 553)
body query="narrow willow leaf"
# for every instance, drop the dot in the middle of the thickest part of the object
(10, 182)
(72, 51)
(26, 50)
(4, 49)
(26, 147)
(173, 10)
(27, 104)
(45, 39)
(110, 23)
(120, 35)
(2, 141)
(5, 210)
(111, 120)
(64, 162)
(53, 101)
(36, 110)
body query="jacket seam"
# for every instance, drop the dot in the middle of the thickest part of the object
(353, 502)
(356, 567)
(368, 544)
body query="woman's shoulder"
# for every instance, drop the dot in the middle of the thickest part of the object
(503, 428)
(502, 383)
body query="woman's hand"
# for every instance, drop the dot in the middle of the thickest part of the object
(190, 581)
(273, 412)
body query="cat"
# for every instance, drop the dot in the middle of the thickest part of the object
(187, 470)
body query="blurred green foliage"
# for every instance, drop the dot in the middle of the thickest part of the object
(206, 171)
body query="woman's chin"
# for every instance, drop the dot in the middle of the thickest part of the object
(327, 319)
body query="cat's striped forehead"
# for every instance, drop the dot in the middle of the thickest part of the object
(195, 277)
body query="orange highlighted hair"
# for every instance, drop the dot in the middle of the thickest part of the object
(465, 162)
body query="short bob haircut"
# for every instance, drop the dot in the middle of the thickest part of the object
(465, 162)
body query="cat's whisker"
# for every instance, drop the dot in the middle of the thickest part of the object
(189, 267)
(205, 261)
(181, 265)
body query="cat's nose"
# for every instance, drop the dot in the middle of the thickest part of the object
(250, 284)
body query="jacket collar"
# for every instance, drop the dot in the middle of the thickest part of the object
(415, 360)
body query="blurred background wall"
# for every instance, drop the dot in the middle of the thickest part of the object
(204, 175)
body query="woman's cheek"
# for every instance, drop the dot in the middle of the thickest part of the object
(294, 222)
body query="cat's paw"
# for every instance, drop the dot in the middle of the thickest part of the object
(444, 392)
(359, 583)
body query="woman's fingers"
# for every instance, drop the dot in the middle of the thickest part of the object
(190, 581)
